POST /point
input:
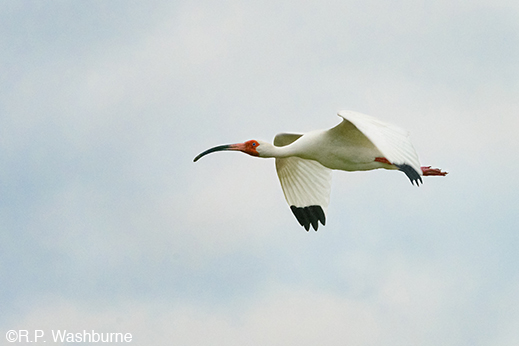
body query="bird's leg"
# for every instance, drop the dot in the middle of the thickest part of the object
(427, 170)
(382, 160)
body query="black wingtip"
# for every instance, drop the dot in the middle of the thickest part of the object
(411, 173)
(310, 215)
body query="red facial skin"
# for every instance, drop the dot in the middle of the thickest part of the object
(248, 147)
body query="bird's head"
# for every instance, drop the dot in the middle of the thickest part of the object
(252, 147)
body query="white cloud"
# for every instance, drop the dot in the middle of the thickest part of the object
(408, 309)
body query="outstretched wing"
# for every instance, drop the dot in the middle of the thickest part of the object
(306, 185)
(392, 141)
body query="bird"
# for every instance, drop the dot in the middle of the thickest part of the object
(304, 162)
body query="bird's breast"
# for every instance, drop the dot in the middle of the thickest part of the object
(346, 153)
(348, 158)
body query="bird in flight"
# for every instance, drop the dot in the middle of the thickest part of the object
(304, 162)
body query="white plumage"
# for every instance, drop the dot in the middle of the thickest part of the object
(304, 161)
(392, 141)
(304, 182)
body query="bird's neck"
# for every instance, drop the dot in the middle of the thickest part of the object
(277, 152)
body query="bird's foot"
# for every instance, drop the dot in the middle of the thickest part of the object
(427, 170)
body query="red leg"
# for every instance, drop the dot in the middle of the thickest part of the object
(427, 170)
(383, 160)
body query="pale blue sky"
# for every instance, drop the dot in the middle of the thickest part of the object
(107, 224)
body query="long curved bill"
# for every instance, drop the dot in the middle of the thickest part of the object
(218, 148)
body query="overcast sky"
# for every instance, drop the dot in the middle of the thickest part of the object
(107, 224)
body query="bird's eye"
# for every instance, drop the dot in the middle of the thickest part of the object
(254, 144)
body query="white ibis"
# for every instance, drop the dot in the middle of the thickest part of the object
(304, 162)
